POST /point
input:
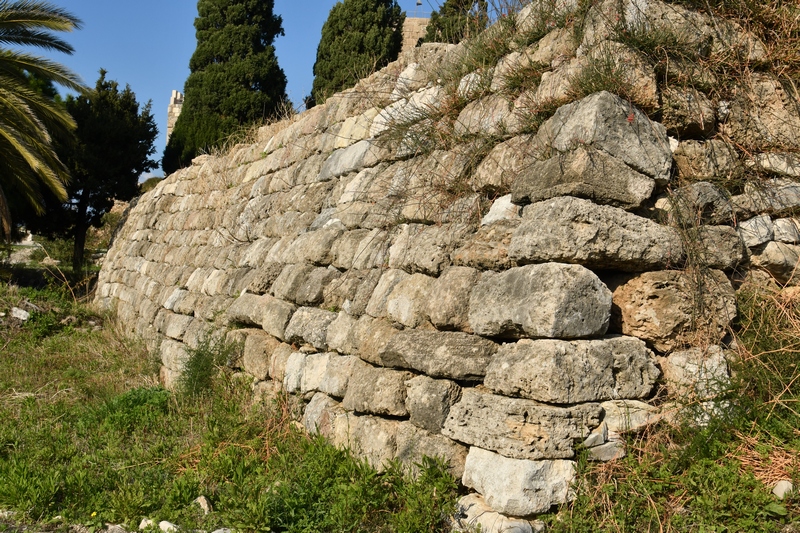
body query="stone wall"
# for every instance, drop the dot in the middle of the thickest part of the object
(487, 289)
(413, 30)
(173, 111)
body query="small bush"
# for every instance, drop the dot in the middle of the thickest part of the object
(202, 365)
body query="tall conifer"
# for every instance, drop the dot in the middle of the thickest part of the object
(456, 20)
(359, 37)
(235, 78)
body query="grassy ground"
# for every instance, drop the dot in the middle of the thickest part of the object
(87, 436)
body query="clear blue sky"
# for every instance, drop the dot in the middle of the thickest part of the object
(147, 44)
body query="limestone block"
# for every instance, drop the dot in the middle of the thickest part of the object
(312, 290)
(502, 209)
(377, 302)
(277, 363)
(428, 401)
(720, 247)
(291, 278)
(568, 372)
(702, 200)
(601, 120)
(176, 325)
(756, 231)
(313, 247)
(374, 439)
(343, 251)
(328, 373)
(501, 167)
(661, 308)
(703, 160)
(491, 115)
(448, 298)
(258, 349)
(786, 164)
(522, 429)
(379, 391)
(696, 373)
(518, 487)
(621, 416)
(786, 230)
(549, 300)
(585, 173)
(372, 251)
(473, 514)
(441, 354)
(341, 334)
(687, 113)
(408, 302)
(414, 444)
(197, 332)
(356, 304)
(355, 157)
(632, 68)
(174, 298)
(555, 47)
(487, 249)
(420, 248)
(472, 85)
(775, 196)
(573, 230)
(310, 325)
(293, 375)
(173, 355)
(779, 259)
(610, 451)
(372, 336)
(276, 315)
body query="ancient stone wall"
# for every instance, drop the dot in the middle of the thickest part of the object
(442, 268)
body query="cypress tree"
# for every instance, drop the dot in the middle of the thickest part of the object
(235, 78)
(359, 37)
(457, 20)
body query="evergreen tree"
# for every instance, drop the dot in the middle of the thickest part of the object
(457, 20)
(359, 37)
(111, 149)
(235, 79)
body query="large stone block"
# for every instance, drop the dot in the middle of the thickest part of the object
(696, 373)
(374, 439)
(327, 372)
(584, 172)
(310, 325)
(473, 514)
(377, 302)
(258, 349)
(448, 298)
(780, 260)
(568, 372)
(428, 401)
(407, 304)
(379, 391)
(522, 429)
(372, 336)
(573, 230)
(549, 300)
(603, 121)
(414, 444)
(518, 487)
(442, 354)
(669, 308)
(341, 334)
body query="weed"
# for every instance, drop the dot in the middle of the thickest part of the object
(202, 364)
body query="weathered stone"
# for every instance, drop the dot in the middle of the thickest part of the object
(408, 302)
(568, 372)
(632, 70)
(275, 316)
(774, 196)
(379, 391)
(584, 172)
(704, 160)
(425, 249)
(621, 416)
(344, 249)
(756, 231)
(492, 115)
(786, 230)
(414, 444)
(341, 334)
(473, 514)
(247, 309)
(518, 487)
(601, 121)
(667, 309)
(173, 355)
(258, 349)
(359, 155)
(780, 260)
(328, 373)
(372, 336)
(291, 278)
(377, 302)
(428, 401)
(439, 354)
(374, 439)
(312, 290)
(522, 429)
(488, 248)
(501, 167)
(309, 324)
(702, 200)
(174, 325)
(573, 230)
(502, 209)
(687, 113)
(719, 247)
(696, 373)
(448, 298)
(610, 451)
(267, 392)
(548, 300)
(293, 375)
(783, 164)
(356, 305)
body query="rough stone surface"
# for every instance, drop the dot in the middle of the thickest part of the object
(688, 113)
(379, 391)
(448, 302)
(780, 260)
(568, 372)
(584, 173)
(428, 401)
(756, 231)
(696, 373)
(258, 349)
(414, 444)
(704, 160)
(661, 308)
(573, 230)
(473, 513)
(786, 230)
(719, 247)
(310, 325)
(518, 428)
(548, 300)
(621, 416)
(518, 487)
(439, 354)
(407, 304)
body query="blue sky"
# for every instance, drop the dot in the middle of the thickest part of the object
(147, 45)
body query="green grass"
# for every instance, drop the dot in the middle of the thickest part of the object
(87, 434)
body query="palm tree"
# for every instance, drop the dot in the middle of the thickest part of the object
(29, 120)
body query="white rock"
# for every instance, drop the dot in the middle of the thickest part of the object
(502, 209)
(627, 415)
(204, 504)
(783, 488)
(146, 523)
(756, 231)
(20, 314)
(786, 230)
(167, 527)
(473, 514)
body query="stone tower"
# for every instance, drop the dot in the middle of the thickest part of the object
(173, 111)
